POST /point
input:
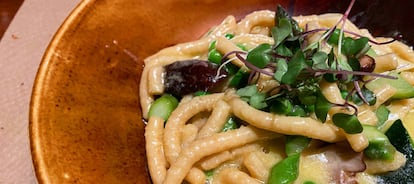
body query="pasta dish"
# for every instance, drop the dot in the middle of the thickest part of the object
(272, 98)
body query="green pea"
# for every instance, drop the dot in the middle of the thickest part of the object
(214, 56)
(229, 36)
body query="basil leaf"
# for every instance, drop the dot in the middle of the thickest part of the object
(348, 122)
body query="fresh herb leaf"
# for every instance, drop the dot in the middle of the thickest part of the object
(239, 78)
(295, 67)
(319, 60)
(298, 111)
(334, 37)
(281, 31)
(260, 56)
(246, 92)
(281, 106)
(251, 95)
(322, 107)
(258, 101)
(352, 47)
(282, 50)
(231, 124)
(282, 68)
(348, 122)
(282, 13)
(368, 95)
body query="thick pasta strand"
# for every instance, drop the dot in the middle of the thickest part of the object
(216, 121)
(192, 140)
(157, 163)
(257, 18)
(196, 176)
(232, 175)
(210, 145)
(178, 119)
(215, 160)
(290, 125)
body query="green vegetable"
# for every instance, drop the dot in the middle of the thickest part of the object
(379, 145)
(163, 106)
(229, 36)
(281, 31)
(231, 124)
(404, 89)
(282, 13)
(296, 144)
(282, 68)
(355, 47)
(285, 171)
(297, 111)
(382, 114)
(237, 79)
(334, 37)
(281, 106)
(309, 182)
(295, 66)
(348, 122)
(368, 95)
(212, 45)
(320, 61)
(209, 175)
(214, 56)
(400, 138)
(200, 93)
(322, 107)
(251, 95)
(260, 56)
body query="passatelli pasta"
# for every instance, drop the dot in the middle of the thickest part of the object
(190, 143)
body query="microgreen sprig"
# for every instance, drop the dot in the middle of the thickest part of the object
(299, 67)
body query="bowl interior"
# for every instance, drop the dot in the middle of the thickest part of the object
(85, 121)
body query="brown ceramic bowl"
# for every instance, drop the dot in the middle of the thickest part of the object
(85, 120)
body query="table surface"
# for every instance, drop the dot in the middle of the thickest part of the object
(21, 49)
(8, 9)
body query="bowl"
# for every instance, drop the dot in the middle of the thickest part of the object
(85, 119)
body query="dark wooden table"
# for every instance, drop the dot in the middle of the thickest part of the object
(8, 9)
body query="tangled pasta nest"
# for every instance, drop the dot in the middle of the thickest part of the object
(191, 141)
